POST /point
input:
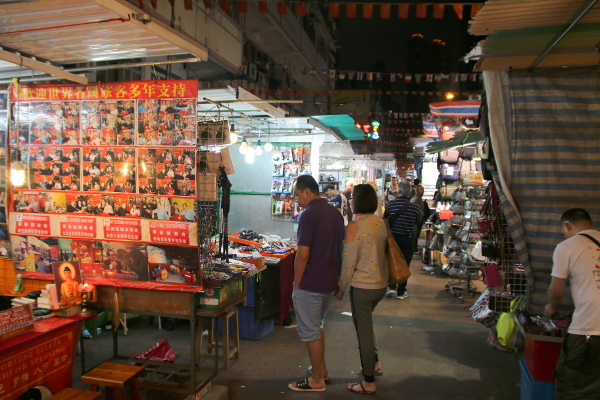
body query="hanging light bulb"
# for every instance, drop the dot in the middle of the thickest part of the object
(258, 151)
(232, 135)
(244, 146)
(268, 146)
(17, 174)
(250, 152)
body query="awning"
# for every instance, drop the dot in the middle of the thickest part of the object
(342, 126)
(462, 138)
(234, 103)
(465, 109)
(77, 31)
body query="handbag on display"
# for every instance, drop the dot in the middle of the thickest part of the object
(467, 153)
(492, 276)
(450, 172)
(458, 219)
(450, 156)
(507, 326)
(398, 268)
(476, 252)
(446, 214)
(483, 225)
(489, 250)
(457, 208)
(480, 311)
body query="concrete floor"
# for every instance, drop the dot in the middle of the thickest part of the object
(430, 349)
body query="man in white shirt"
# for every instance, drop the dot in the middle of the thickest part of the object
(339, 201)
(577, 259)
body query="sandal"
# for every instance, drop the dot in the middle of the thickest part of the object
(309, 370)
(499, 347)
(303, 386)
(363, 391)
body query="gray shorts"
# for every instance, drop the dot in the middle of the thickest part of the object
(310, 309)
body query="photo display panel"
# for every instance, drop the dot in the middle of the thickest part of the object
(110, 168)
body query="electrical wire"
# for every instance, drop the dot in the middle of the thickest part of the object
(67, 26)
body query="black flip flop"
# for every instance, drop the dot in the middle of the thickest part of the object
(303, 386)
(363, 391)
(309, 370)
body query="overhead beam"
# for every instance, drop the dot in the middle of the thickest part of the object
(154, 26)
(41, 66)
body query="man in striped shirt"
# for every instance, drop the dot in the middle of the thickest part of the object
(404, 216)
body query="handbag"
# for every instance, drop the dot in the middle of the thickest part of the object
(492, 276)
(450, 156)
(467, 153)
(489, 250)
(480, 312)
(398, 268)
(483, 225)
(446, 214)
(507, 326)
(450, 172)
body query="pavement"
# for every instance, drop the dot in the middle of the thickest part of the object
(429, 347)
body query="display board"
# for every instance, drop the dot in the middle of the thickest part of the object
(111, 176)
(289, 162)
(4, 242)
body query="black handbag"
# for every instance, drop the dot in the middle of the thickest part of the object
(489, 250)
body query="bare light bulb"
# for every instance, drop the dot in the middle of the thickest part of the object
(17, 174)
(268, 146)
(250, 156)
(244, 147)
(258, 151)
(233, 137)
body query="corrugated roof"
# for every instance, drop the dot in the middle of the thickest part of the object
(521, 30)
(88, 30)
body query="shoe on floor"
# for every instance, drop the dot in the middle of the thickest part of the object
(402, 296)
(362, 391)
(390, 292)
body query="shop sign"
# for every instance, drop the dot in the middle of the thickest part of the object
(38, 225)
(15, 321)
(125, 229)
(169, 232)
(79, 227)
(43, 361)
(187, 88)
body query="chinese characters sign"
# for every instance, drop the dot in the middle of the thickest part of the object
(169, 232)
(15, 321)
(33, 225)
(99, 91)
(78, 227)
(122, 229)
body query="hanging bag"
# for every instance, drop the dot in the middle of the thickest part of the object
(450, 156)
(480, 312)
(507, 326)
(492, 276)
(450, 172)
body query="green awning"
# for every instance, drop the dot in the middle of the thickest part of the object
(342, 125)
(462, 138)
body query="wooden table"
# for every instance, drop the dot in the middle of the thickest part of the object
(177, 378)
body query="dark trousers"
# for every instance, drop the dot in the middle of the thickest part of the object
(578, 369)
(362, 303)
(407, 247)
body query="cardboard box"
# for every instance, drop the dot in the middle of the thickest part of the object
(212, 297)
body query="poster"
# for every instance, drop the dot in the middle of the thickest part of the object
(67, 277)
(169, 232)
(125, 261)
(173, 264)
(106, 158)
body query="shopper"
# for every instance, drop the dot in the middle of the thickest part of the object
(577, 259)
(422, 203)
(316, 275)
(403, 217)
(339, 201)
(365, 270)
(416, 183)
(348, 194)
(392, 193)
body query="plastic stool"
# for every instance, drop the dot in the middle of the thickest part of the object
(115, 377)
(76, 394)
(228, 351)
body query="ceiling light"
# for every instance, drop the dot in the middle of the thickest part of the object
(244, 146)
(258, 151)
(268, 146)
(17, 174)
(449, 96)
(232, 135)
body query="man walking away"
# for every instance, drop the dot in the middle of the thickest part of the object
(339, 201)
(403, 217)
(577, 259)
(316, 275)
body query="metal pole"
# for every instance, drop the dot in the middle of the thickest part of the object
(556, 41)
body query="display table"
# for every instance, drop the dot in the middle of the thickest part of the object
(186, 379)
(42, 357)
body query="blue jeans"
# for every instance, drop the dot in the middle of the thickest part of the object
(407, 247)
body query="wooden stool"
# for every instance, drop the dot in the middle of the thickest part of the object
(115, 377)
(228, 351)
(76, 394)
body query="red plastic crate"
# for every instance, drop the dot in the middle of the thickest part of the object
(541, 357)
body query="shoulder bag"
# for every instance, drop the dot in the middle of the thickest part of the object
(398, 268)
